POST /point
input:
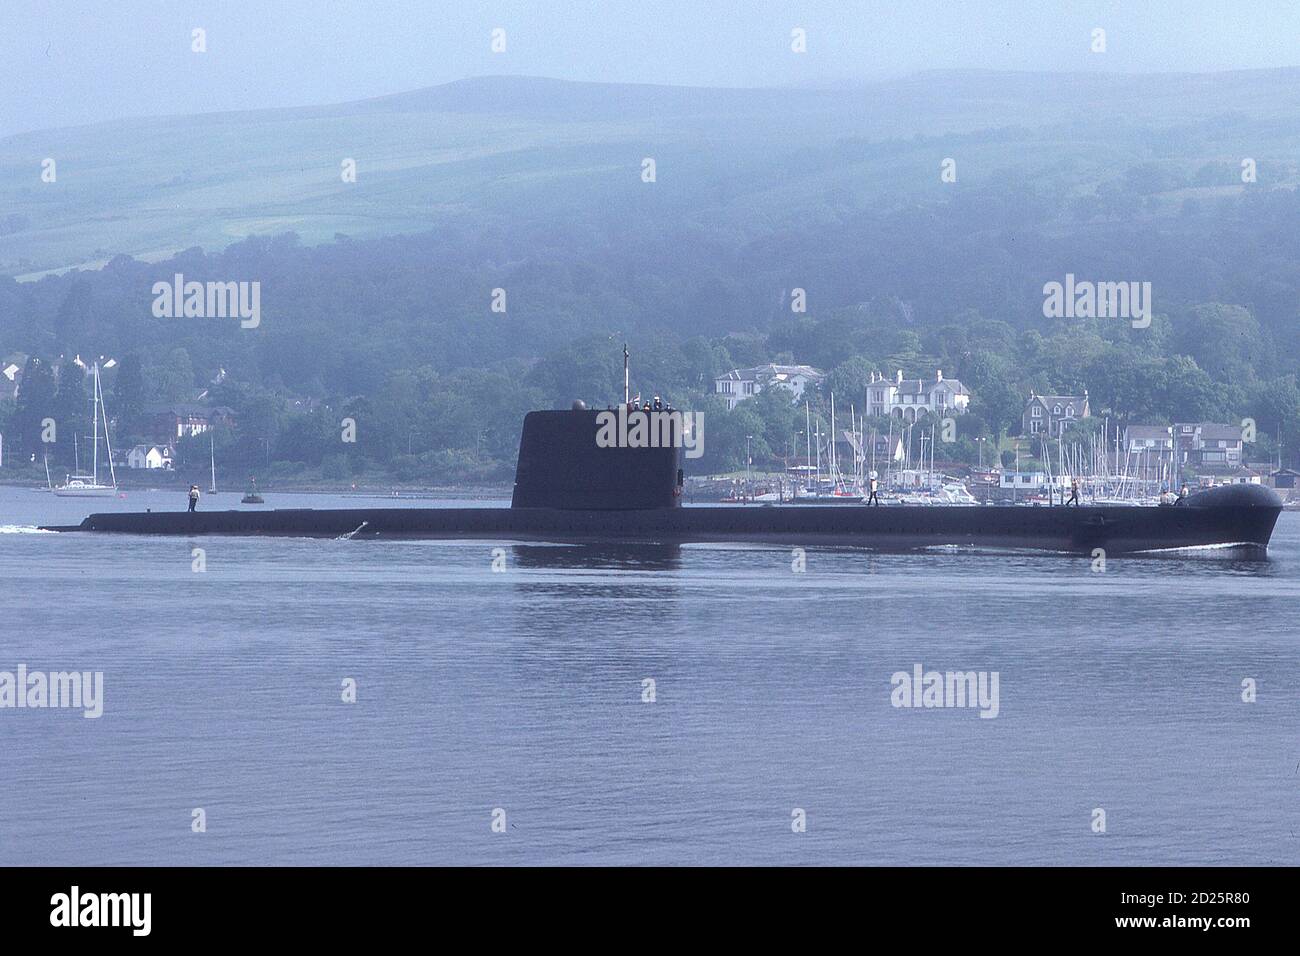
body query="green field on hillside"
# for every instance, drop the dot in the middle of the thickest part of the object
(540, 151)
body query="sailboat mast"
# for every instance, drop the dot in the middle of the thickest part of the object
(108, 447)
(889, 466)
(819, 454)
(931, 454)
(807, 434)
(835, 478)
(857, 449)
(95, 418)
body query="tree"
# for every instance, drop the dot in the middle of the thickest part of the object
(782, 421)
(35, 403)
(724, 437)
(129, 398)
(1189, 393)
(994, 396)
(705, 361)
(308, 437)
(73, 317)
(848, 381)
(1275, 406)
(173, 379)
(1225, 340)
(590, 369)
(71, 412)
(908, 356)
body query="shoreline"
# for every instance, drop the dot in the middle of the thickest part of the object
(306, 488)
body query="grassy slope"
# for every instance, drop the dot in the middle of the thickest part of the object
(151, 187)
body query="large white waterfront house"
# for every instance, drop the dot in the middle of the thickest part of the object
(904, 398)
(742, 383)
(909, 398)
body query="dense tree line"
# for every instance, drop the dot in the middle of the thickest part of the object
(1209, 362)
(399, 335)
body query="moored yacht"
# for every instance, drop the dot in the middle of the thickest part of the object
(89, 486)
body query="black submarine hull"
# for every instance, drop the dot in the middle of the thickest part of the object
(1238, 516)
(579, 480)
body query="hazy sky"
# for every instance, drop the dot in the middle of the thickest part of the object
(65, 62)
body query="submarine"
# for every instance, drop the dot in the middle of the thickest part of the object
(573, 487)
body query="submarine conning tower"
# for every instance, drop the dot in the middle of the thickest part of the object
(600, 460)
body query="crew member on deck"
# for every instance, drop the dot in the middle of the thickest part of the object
(874, 498)
(194, 497)
(1074, 492)
(1183, 492)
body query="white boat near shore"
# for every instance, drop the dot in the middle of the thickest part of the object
(84, 487)
(89, 486)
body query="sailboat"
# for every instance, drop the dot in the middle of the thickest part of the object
(835, 489)
(89, 486)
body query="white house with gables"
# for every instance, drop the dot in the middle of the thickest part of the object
(742, 383)
(151, 457)
(909, 398)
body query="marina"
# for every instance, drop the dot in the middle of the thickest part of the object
(569, 487)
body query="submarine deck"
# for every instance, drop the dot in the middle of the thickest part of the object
(1242, 516)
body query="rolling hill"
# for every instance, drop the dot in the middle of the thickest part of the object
(529, 150)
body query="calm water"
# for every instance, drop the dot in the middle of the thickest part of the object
(523, 690)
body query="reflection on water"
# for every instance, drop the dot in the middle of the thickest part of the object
(606, 556)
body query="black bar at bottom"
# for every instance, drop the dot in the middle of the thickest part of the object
(336, 905)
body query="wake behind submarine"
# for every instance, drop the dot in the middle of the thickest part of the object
(572, 487)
